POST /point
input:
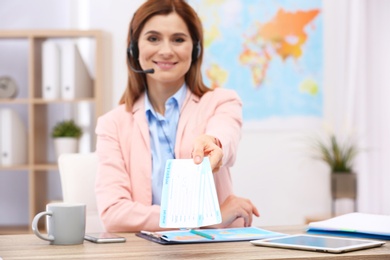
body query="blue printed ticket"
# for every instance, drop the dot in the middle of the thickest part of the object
(189, 197)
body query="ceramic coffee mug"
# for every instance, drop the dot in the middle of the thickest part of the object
(65, 223)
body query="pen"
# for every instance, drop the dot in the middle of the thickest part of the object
(199, 233)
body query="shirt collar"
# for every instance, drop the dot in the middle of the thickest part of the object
(178, 97)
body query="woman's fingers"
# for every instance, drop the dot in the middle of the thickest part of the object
(235, 207)
(205, 145)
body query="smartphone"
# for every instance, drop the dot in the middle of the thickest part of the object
(104, 237)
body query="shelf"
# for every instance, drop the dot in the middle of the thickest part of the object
(45, 167)
(15, 34)
(15, 168)
(9, 230)
(21, 59)
(14, 101)
(37, 167)
(62, 101)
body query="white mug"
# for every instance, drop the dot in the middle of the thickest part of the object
(65, 223)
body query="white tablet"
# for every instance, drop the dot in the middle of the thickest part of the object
(318, 243)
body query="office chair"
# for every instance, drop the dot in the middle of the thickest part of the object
(77, 174)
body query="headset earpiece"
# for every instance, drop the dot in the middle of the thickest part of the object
(133, 50)
(196, 50)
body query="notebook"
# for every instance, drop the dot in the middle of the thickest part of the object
(354, 224)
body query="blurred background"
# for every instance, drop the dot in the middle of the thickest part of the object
(344, 66)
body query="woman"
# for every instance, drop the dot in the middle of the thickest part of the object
(165, 112)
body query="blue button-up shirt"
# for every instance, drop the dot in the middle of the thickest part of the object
(162, 130)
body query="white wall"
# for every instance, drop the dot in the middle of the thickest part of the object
(114, 17)
(272, 168)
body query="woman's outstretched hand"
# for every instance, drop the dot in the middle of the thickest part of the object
(207, 145)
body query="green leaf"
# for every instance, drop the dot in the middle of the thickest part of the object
(66, 128)
(339, 157)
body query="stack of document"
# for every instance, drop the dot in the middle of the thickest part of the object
(64, 72)
(189, 198)
(51, 70)
(13, 138)
(354, 224)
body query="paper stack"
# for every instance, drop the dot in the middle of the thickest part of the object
(189, 197)
(64, 73)
(354, 224)
(13, 138)
(51, 70)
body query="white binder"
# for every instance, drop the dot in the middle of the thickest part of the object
(76, 81)
(50, 70)
(13, 138)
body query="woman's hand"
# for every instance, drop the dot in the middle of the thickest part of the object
(207, 145)
(235, 207)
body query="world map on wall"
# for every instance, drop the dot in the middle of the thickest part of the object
(269, 51)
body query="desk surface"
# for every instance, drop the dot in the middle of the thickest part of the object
(30, 247)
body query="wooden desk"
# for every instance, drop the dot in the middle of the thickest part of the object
(30, 247)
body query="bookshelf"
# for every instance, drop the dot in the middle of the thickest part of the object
(40, 114)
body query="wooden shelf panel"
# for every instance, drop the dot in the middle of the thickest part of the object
(60, 101)
(9, 34)
(15, 168)
(26, 101)
(15, 101)
(45, 167)
(36, 167)
(8, 230)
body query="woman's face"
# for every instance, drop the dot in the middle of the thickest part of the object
(165, 45)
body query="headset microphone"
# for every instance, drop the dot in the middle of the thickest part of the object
(148, 71)
(130, 51)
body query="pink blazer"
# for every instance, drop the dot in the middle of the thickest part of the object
(124, 184)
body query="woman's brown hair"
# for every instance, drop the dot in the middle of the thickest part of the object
(136, 81)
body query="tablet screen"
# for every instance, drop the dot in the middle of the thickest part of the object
(318, 243)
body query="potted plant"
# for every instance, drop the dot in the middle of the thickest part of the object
(66, 136)
(339, 156)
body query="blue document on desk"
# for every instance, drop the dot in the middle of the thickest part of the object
(212, 235)
(355, 224)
